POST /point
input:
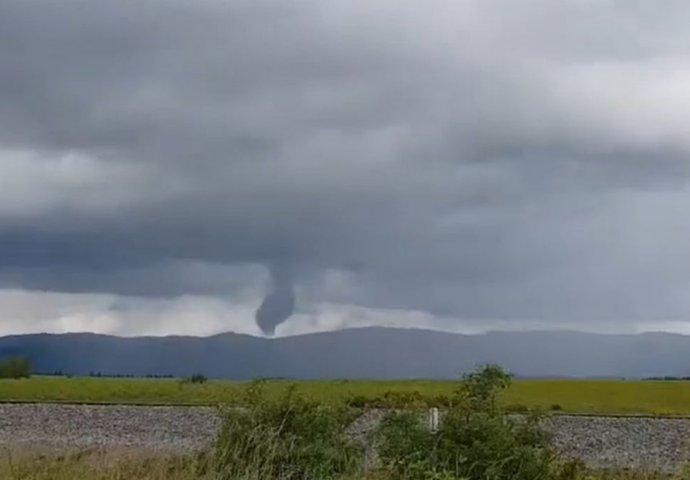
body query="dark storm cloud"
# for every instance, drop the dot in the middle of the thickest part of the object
(469, 160)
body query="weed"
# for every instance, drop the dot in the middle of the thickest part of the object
(288, 437)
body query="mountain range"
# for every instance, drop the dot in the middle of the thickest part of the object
(359, 353)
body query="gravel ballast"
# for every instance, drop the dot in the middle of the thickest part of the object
(661, 444)
(603, 442)
(173, 429)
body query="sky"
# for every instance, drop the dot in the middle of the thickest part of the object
(463, 165)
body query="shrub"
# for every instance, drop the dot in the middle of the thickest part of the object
(15, 367)
(405, 444)
(476, 440)
(198, 378)
(289, 437)
(556, 407)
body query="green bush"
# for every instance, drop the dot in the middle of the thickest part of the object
(405, 444)
(477, 439)
(198, 378)
(15, 367)
(289, 437)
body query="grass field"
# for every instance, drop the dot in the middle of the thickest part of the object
(109, 466)
(576, 396)
(119, 466)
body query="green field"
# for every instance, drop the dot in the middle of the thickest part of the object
(577, 396)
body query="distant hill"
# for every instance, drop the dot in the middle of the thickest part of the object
(360, 353)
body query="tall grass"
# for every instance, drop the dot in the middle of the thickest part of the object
(285, 438)
(124, 466)
(100, 465)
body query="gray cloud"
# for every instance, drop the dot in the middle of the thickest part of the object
(463, 159)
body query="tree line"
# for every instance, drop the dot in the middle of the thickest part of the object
(15, 367)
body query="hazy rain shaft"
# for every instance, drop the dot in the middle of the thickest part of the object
(278, 304)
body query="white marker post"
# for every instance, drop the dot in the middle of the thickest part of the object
(432, 420)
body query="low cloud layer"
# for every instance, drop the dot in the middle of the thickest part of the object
(462, 164)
